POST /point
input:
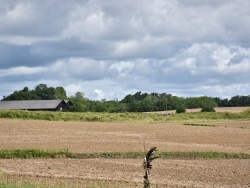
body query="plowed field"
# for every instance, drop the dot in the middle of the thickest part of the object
(232, 137)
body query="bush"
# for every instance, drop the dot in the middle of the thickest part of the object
(207, 109)
(180, 110)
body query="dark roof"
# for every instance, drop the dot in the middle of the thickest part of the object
(67, 101)
(31, 104)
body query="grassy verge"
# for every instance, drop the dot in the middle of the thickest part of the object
(203, 125)
(36, 153)
(5, 183)
(22, 185)
(94, 184)
(123, 117)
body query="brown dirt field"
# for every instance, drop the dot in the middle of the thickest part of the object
(129, 172)
(98, 137)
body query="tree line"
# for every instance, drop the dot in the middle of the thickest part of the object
(138, 102)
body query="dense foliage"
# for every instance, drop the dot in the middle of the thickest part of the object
(40, 92)
(180, 110)
(208, 109)
(138, 102)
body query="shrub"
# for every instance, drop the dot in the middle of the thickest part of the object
(180, 110)
(208, 109)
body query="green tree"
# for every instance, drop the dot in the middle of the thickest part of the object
(174, 102)
(221, 102)
(240, 101)
(208, 109)
(60, 93)
(161, 104)
(149, 103)
(98, 106)
(180, 109)
(79, 102)
(200, 102)
(45, 93)
(24, 94)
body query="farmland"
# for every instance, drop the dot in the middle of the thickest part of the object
(230, 136)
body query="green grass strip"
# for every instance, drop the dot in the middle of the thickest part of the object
(203, 155)
(203, 125)
(36, 153)
(123, 117)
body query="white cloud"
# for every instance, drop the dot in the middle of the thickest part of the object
(80, 68)
(71, 89)
(22, 71)
(87, 22)
(189, 64)
(19, 15)
(213, 58)
(100, 94)
(225, 91)
(124, 48)
(118, 47)
(223, 56)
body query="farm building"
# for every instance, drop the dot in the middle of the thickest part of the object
(51, 105)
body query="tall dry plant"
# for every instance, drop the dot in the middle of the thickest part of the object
(147, 165)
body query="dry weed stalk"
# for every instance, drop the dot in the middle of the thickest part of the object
(148, 166)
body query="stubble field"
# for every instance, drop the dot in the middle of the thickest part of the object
(84, 137)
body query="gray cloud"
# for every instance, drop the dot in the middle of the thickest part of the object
(112, 48)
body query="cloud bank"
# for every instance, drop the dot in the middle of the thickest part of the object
(108, 49)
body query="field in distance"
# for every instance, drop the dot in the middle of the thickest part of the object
(89, 137)
(217, 109)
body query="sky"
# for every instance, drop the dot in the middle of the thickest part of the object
(109, 49)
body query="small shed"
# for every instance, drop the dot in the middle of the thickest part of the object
(51, 105)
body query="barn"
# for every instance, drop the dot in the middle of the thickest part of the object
(50, 105)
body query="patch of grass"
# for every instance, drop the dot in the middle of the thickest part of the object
(203, 155)
(19, 185)
(35, 153)
(93, 184)
(203, 125)
(78, 116)
(123, 117)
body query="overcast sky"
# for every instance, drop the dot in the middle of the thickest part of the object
(109, 48)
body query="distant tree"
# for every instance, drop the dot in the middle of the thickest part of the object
(175, 102)
(79, 102)
(136, 106)
(60, 93)
(149, 103)
(41, 91)
(161, 104)
(221, 102)
(140, 96)
(128, 99)
(208, 109)
(25, 89)
(180, 109)
(200, 102)
(24, 94)
(240, 101)
(98, 106)
(45, 93)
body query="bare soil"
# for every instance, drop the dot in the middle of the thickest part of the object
(99, 137)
